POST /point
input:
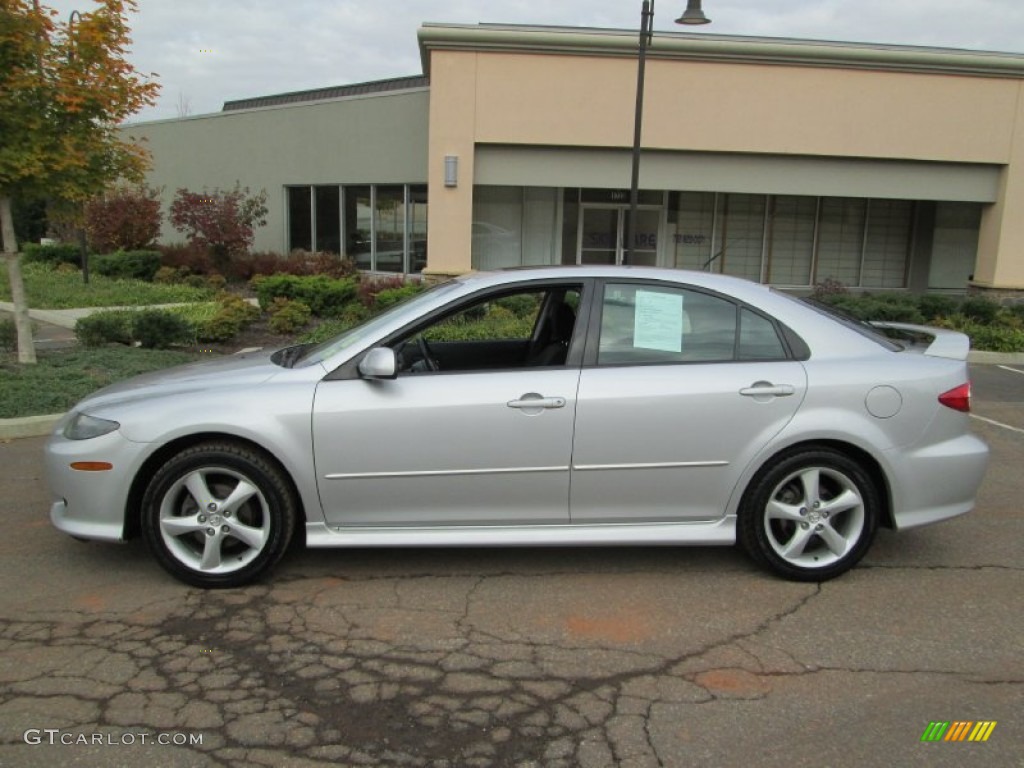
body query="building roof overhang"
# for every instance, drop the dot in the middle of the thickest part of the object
(584, 41)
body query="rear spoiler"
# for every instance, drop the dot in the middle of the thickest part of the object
(945, 343)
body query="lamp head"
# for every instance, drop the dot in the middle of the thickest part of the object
(693, 14)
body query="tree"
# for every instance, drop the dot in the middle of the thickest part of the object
(64, 89)
(123, 218)
(221, 221)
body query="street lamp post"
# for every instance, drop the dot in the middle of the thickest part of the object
(692, 15)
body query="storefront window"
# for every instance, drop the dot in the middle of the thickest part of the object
(358, 225)
(417, 228)
(742, 236)
(497, 227)
(841, 239)
(390, 229)
(691, 218)
(791, 244)
(888, 244)
(328, 219)
(300, 224)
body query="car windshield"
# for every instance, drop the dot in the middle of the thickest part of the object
(329, 348)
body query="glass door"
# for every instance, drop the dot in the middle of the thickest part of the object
(602, 234)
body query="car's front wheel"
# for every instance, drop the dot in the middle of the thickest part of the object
(810, 516)
(218, 514)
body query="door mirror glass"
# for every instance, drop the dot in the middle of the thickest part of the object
(379, 363)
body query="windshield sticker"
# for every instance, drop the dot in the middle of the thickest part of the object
(658, 322)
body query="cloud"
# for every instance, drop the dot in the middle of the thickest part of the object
(209, 52)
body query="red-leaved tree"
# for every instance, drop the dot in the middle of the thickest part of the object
(123, 218)
(222, 221)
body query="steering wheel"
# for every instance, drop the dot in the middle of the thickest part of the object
(428, 356)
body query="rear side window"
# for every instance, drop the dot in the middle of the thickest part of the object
(642, 324)
(758, 338)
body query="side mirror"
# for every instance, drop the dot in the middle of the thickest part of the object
(379, 363)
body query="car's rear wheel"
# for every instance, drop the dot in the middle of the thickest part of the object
(218, 514)
(810, 516)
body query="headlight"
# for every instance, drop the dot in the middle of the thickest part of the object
(83, 427)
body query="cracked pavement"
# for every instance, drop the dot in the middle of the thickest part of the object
(534, 657)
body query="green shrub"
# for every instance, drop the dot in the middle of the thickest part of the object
(217, 282)
(166, 275)
(995, 339)
(1016, 310)
(130, 265)
(231, 316)
(391, 296)
(288, 315)
(109, 327)
(897, 308)
(979, 309)
(8, 334)
(325, 296)
(52, 254)
(521, 305)
(992, 338)
(828, 287)
(353, 315)
(934, 305)
(159, 329)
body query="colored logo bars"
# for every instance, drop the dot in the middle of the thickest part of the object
(958, 730)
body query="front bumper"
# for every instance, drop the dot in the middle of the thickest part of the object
(91, 505)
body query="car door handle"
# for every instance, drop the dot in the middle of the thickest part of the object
(766, 389)
(531, 400)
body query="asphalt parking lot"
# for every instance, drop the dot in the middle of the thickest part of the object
(542, 657)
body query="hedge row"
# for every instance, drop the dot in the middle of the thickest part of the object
(990, 326)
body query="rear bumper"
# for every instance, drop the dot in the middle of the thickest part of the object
(938, 481)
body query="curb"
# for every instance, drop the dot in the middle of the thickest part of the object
(28, 426)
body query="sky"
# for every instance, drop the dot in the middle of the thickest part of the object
(205, 53)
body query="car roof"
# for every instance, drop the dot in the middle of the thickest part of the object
(735, 286)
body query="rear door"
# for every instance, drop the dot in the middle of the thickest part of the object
(680, 389)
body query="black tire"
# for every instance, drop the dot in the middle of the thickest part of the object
(212, 544)
(806, 536)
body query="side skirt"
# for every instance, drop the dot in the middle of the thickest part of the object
(720, 532)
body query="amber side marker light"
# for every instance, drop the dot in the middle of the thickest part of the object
(959, 398)
(92, 466)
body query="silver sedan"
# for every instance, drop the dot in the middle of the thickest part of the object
(562, 406)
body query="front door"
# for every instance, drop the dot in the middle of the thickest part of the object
(475, 430)
(602, 235)
(446, 449)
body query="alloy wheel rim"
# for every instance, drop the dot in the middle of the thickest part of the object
(214, 520)
(815, 517)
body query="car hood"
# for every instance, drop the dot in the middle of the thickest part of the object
(235, 372)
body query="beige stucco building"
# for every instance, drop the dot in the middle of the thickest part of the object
(784, 161)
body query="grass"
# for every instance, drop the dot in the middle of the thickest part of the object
(62, 378)
(49, 288)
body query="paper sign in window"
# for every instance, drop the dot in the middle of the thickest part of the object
(658, 322)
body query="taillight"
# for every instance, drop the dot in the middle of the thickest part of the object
(959, 399)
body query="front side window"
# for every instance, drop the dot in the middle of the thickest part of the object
(528, 328)
(643, 324)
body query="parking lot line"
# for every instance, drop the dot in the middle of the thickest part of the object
(1008, 368)
(997, 423)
